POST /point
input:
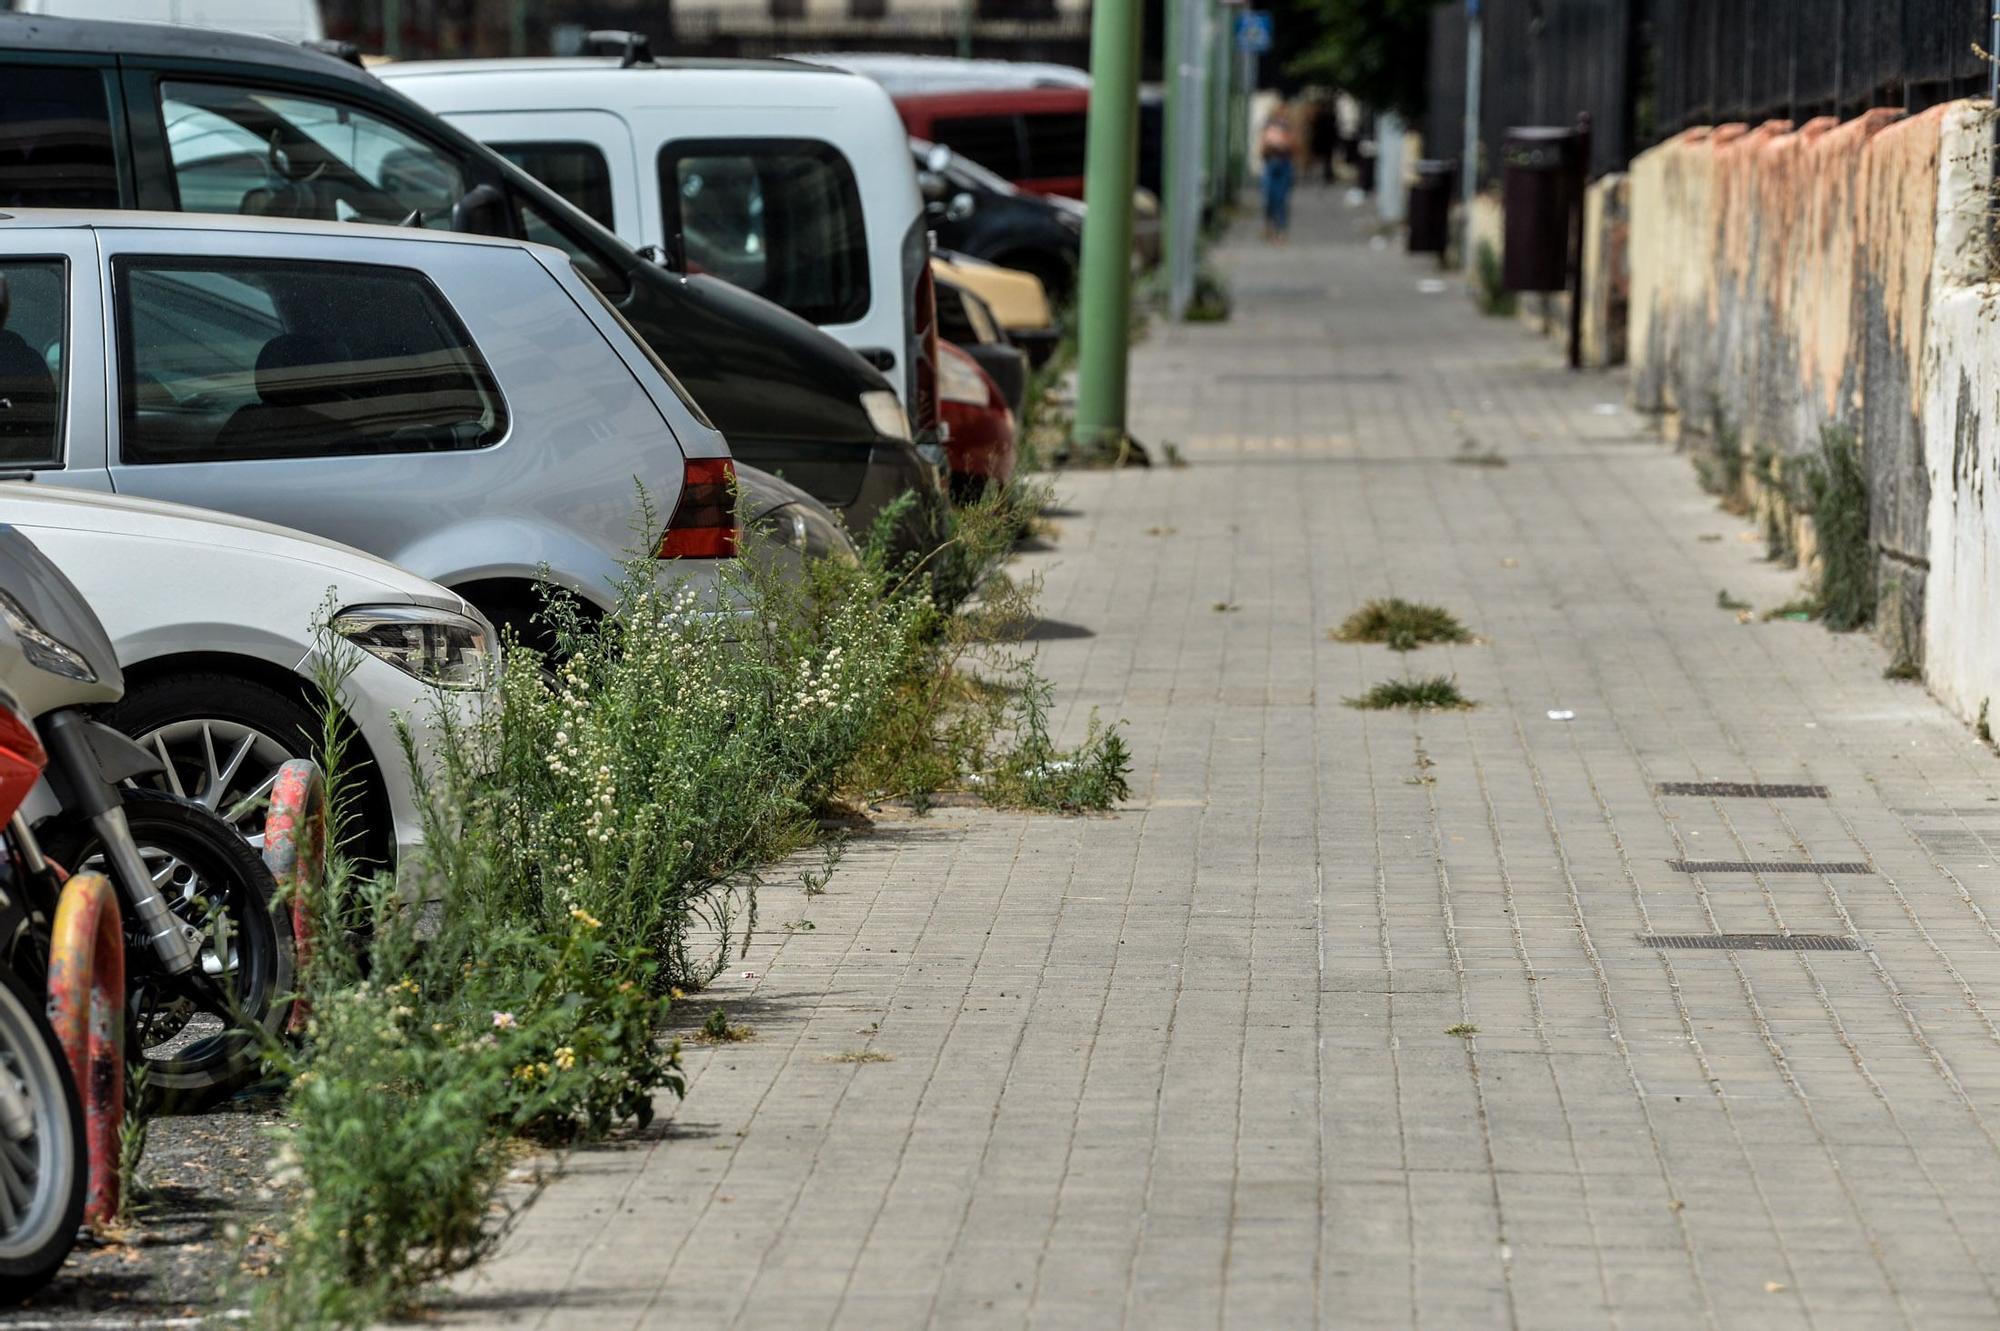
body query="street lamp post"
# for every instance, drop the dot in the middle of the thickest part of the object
(1111, 153)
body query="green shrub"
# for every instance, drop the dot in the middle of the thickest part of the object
(1493, 297)
(1436, 693)
(1402, 625)
(1836, 493)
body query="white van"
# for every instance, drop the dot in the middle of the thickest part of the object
(788, 179)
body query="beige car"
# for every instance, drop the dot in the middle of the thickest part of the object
(1018, 300)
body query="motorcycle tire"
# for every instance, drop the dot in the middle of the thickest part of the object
(50, 1163)
(195, 854)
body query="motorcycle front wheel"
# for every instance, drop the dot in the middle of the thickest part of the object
(43, 1170)
(196, 1051)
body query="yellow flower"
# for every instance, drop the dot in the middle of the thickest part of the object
(585, 918)
(565, 1058)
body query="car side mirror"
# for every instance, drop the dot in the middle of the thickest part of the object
(962, 206)
(481, 212)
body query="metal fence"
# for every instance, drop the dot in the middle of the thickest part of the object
(1647, 69)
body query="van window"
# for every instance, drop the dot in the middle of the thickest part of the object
(780, 217)
(577, 171)
(1055, 144)
(222, 360)
(55, 139)
(33, 336)
(992, 141)
(271, 154)
(542, 226)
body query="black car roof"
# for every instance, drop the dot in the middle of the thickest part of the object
(104, 37)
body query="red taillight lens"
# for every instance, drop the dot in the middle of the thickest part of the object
(21, 759)
(704, 522)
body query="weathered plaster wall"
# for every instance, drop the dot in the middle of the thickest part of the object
(1958, 407)
(1607, 279)
(1780, 286)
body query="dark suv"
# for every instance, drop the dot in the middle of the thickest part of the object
(121, 115)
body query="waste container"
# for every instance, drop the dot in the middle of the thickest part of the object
(1430, 207)
(1539, 193)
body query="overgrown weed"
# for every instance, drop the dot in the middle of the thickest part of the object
(1401, 625)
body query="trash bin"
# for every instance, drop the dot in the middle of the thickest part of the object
(1539, 192)
(1430, 207)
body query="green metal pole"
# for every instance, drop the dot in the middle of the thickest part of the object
(392, 27)
(517, 28)
(1218, 103)
(1111, 166)
(965, 29)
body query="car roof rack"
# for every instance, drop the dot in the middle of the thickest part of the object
(347, 51)
(631, 48)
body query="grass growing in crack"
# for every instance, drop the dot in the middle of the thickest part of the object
(1438, 693)
(1724, 601)
(1904, 670)
(1836, 490)
(716, 1029)
(1720, 466)
(1402, 626)
(1491, 293)
(1797, 609)
(1462, 1029)
(860, 1056)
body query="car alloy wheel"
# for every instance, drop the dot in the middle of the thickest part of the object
(224, 766)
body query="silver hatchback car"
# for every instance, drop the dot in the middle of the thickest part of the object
(466, 407)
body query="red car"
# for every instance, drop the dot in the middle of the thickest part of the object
(979, 429)
(1034, 137)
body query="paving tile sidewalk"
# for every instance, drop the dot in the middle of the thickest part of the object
(1195, 1065)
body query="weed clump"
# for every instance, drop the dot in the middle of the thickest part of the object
(1438, 693)
(1402, 626)
(1836, 492)
(1492, 295)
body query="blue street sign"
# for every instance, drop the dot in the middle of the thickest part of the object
(1253, 31)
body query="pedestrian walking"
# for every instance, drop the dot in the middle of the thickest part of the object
(1278, 147)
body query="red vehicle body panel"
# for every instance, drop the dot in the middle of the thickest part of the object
(979, 444)
(1034, 137)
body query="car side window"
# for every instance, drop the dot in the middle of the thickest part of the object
(541, 225)
(1055, 144)
(992, 141)
(34, 319)
(780, 217)
(577, 171)
(222, 360)
(55, 139)
(265, 153)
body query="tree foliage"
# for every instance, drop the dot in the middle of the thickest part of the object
(1376, 50)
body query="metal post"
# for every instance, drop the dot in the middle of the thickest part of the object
(1186, 114)
(1111, 161)
(517, 28)
(1579, 185)
(1218, 102)
(965, 8)
(392, 27)
(1468, 172)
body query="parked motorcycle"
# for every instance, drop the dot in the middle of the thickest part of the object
(205, 956)
(43, 1165)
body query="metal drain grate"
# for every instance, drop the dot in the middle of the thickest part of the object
(1746, 790)
(1754, 942)
(1769, 866)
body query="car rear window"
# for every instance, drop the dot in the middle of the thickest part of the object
(780, 217)
(229, 359)
(577, 171)
(33, 341)
(1055, 144)
(992, 141)
(55, 139)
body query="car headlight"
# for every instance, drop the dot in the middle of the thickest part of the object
(786, 526)
(436, 646)
(885, 413)
(959, 380)
(44, 650)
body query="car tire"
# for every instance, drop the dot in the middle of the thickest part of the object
(159, 707)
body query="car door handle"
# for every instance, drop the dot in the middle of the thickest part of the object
(880, 357)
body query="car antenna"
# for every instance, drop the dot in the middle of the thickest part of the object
(415, 219)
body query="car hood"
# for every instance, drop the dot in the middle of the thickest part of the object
(30, 506)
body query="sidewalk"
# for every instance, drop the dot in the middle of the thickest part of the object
(1194, 1065)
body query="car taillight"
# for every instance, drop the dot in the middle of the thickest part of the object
(704, 522)
(21, 758)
